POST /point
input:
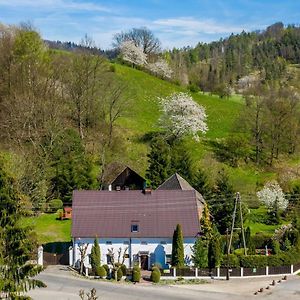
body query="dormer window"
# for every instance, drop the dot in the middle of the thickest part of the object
(134, 228)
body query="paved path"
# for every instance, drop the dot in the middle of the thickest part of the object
(62, 284)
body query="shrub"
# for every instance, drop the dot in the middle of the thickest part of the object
(124, 269)
(254, 261)
(136, 274)
(155, 275)
(55, 204)
(119, 274)
(260, 240)
(106, 267)
(233, 261)
(100, 271)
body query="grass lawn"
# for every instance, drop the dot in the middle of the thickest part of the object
(48, 229)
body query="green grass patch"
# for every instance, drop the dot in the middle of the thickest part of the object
(49, 229)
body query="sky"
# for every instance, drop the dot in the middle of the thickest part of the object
(176, 23)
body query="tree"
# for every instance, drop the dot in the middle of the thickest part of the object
(133, 54)
(160, 68)
(200, 253)
(182, 116)
(222, 202)
(214, 251)
(201, 183)
(205, 223)
(16, 242)
(71, 167)
(159, 162)
(117, 264)
(272, 196)
(140, 37)
(177, 248)
(82, 248)
(95, 256)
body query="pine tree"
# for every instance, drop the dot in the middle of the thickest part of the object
(223, 205)
(159, 162)
(200, 253)
(16, 242)
(177, 248)
(201, 184)
(214, 251)
(96, 256)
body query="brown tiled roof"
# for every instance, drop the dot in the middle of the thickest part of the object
(111, 214)
(176, 182)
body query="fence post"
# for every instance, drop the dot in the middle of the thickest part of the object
(174, 272)
(40, 259)
(70, 256)
(242, 271)
(292, 269)
(196, 272)
(267, 270)
(218, 272)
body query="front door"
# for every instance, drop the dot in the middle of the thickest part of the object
(144, 262)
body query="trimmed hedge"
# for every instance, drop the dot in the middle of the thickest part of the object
(100, 271)
(106, 267)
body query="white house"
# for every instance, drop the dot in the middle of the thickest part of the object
(141, 223)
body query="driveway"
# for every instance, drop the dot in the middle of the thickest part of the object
(62, 284)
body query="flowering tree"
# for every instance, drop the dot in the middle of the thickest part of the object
(160, 68)
(181, 115)
(133, 54)
(272, 196)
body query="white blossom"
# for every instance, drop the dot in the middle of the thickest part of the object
(182, 115)
(280, 232)
(272, 195)
(160, 68)
(133, 54)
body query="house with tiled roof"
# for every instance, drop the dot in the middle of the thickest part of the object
(139, 222)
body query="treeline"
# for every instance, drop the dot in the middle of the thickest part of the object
(217, 66)
(57, 115)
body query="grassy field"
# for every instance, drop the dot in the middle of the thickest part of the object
(49, 229)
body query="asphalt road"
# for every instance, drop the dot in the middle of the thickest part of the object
(62, 284)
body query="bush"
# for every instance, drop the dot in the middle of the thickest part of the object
(136, 274)
(100, 271)
(254, 261)
(124, 269)
(55, 204)
(155, 275)
(260, 241)
(233, 261)
(106, 267)
(119, 274)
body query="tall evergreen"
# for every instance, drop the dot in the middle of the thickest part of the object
(201, 183)
(159, 162)
(205, 223)
(214, 251)
(177, 248)
(96, 255)
(16, 242)
(223, 202)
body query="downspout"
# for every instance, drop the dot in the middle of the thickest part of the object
(130, 262)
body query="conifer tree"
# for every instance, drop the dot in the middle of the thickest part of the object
(201, 184)
(16, 242)
(205, 222)
(159, 162)
(177, 248)
(96, 255)
(214, 251)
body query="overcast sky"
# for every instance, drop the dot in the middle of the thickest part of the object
(176, 23)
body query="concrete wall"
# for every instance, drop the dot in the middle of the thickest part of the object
(155, 248)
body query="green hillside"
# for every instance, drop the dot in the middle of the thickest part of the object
(142, 117)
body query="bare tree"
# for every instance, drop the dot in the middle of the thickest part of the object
(142, 37)
(121, 259)
(82, 250)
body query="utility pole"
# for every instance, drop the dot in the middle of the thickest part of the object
(237, 204)
(228, 250)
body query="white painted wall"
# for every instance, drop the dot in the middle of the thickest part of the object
(154, 246)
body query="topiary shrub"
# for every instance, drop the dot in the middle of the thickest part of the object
(136, 274)
(100, 271)
(119, 274)
(55, 204)
(106, 267)
(124, 269)
(155, 275)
